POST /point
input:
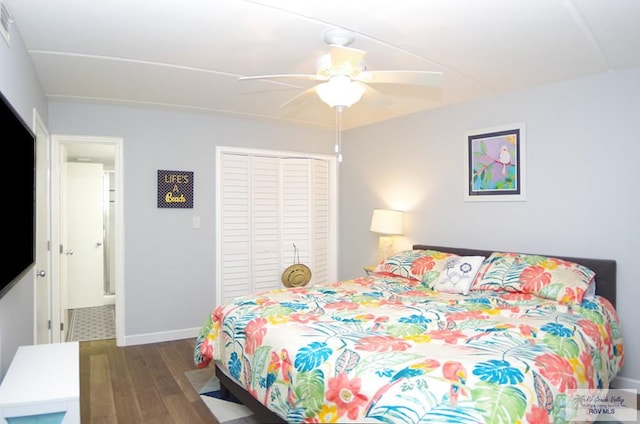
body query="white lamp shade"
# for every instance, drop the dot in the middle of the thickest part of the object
(340, 91)
(386, 221)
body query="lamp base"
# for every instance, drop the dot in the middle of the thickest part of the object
(385, 248)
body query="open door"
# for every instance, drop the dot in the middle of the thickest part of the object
(84, 234)
(43, 307)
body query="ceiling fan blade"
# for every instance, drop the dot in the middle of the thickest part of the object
(283, 76)
(407, 91)
(300, 98)
(425, 78)
(375, 98)
(346, 60)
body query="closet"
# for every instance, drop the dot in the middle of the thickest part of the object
(270, 204)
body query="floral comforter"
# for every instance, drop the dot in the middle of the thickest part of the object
(387, 349)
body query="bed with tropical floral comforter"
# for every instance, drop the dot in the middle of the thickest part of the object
(389, 348)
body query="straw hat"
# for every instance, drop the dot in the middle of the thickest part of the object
(296, 275)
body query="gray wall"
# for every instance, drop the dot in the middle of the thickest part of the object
(582, 180)
(169, 266)
(20, 86)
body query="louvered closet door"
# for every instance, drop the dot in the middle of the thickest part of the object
(268, 204)
(234, 229)
(305, 215)
(320, 222)
(296, 210)
(265, 229)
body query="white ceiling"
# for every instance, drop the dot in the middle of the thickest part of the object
(188, 54)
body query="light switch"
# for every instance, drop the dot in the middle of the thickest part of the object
(196, 222)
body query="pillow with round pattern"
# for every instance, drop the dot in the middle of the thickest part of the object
(458, 274)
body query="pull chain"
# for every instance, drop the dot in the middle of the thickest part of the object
(338, 147)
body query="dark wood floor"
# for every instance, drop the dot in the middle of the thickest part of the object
(139, 384)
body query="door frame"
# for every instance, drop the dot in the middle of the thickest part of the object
(43, 264)
(58, 143)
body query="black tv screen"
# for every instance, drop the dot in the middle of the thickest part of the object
(18, 195)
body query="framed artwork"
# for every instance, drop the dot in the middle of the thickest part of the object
(175, 189)
(495, 165)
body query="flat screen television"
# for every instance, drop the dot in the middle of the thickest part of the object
(18, 195)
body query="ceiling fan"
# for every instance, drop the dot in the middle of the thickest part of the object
(343, 75)
(344, 79)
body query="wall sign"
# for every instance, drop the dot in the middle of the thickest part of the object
(175, 189)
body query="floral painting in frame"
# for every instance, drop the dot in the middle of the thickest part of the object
(495, 165)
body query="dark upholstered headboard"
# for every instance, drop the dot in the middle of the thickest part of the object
(605, 269)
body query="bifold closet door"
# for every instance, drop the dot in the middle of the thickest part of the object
(268, 204)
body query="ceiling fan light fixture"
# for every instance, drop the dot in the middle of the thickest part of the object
(340, 90)
(339, 37)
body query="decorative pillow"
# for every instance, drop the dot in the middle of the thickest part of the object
(590, 293)
(421, 265)
(458, 274)
(547, 277)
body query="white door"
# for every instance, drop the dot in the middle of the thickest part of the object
(84, 197)
(43, 259)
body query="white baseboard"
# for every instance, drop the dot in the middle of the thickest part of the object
(626, 383)
(165, 336)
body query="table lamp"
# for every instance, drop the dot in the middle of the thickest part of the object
(387, 223)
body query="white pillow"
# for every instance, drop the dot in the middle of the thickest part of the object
(458, 274)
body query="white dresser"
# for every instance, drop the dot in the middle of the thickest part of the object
(42, 383)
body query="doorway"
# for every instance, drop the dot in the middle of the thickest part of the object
(87, 216)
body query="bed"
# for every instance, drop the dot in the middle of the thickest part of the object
(434, 334)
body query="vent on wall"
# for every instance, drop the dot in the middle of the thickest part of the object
(5, 21)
